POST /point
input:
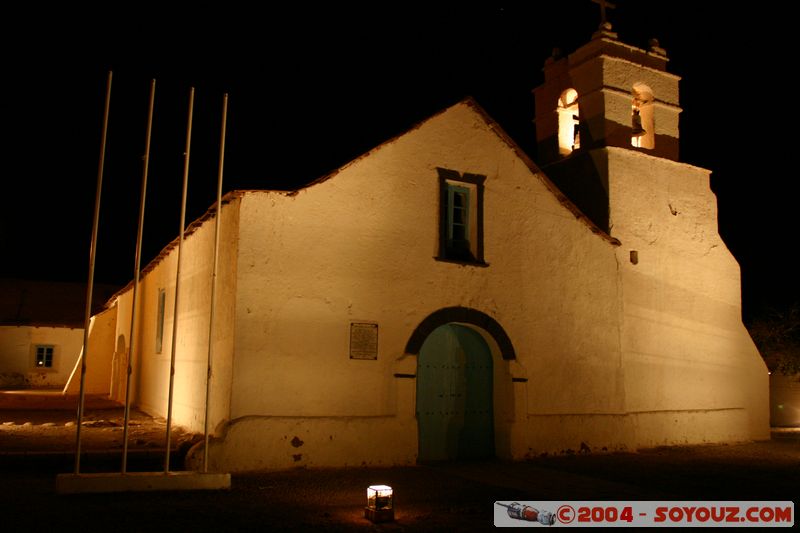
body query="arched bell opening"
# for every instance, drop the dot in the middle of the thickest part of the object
(569, 138)
(643, 127)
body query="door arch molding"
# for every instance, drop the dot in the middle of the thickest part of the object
(464, 315)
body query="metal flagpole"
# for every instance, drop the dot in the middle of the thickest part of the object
(178, 278)
(136, 271)
(90, 282)
(214, 276)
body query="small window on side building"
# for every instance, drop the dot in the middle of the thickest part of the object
(44, 356)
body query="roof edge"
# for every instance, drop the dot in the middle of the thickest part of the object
(538, 172)
(468, 101)
(191, 228)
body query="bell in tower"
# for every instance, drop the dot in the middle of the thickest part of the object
(636, 128)
(642, 117)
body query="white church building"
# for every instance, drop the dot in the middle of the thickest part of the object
(443, 297)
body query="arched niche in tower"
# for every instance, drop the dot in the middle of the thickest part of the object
(568, 120)
(643, 124)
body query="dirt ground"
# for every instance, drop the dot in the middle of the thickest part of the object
(36, 445)
(46, 423)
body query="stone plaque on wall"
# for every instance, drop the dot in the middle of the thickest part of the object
(363, 340)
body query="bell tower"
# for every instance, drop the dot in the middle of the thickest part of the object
(605, 94)
(616, 95)
(607, 128)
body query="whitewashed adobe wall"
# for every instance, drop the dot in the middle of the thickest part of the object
(150, 383)
(101, 355)
(692, 372)
(18, 354)
(360, 246)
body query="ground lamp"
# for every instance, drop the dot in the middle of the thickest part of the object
(380, 503)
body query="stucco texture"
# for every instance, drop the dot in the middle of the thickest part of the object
(150, 381)
(684, 342)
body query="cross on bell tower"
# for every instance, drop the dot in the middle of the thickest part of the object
(604, 29)
(603, 5)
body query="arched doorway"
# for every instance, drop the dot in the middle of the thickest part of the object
(455, 411)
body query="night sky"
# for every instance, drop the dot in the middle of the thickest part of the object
(313, 87)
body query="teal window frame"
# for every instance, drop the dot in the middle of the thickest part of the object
(452, 217)
(458, 204)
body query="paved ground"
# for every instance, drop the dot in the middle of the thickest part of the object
(451, 497)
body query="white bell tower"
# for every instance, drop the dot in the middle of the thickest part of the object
(607, 94)
(607, 131)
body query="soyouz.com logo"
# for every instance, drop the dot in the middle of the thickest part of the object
(644, 514)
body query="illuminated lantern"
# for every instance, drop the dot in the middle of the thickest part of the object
(380, 504)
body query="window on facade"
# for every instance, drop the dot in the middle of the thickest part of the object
(568, 122)
(461, 216)
(457, 220)
(162, 296)
(44, 356)
(643, 127)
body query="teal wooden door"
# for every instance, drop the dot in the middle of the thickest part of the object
(454, 396)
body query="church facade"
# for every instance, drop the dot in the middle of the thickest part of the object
(443, 297)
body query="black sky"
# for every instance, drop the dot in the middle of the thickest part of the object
(313, 87)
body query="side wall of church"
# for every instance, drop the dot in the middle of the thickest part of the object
(151, 366)
(360, 247)
(692, 373)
